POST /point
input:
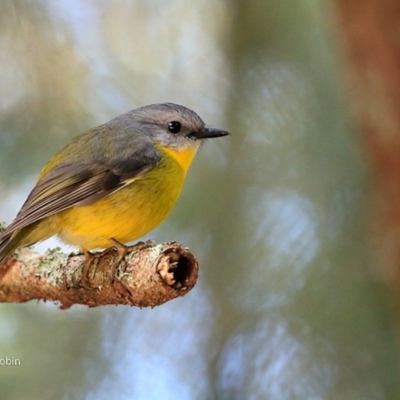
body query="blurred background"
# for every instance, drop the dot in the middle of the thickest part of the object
(290, 303)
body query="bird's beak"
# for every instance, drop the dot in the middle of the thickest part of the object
(209, 133)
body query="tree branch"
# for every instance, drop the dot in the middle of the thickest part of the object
(148, 277)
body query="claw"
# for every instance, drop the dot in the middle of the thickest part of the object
(122, 251)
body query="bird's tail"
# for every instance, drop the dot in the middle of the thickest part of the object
(10, 240)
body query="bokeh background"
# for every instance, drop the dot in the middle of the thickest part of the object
(289, 304)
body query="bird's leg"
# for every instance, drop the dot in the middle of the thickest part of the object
(122, 251)
(90, 257)
(85, 272)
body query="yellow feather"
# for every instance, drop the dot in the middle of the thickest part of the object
(128, 213)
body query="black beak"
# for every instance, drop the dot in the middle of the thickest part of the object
(209, 133)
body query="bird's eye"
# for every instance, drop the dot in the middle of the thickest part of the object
(174, 127)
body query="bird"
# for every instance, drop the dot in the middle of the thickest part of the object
(112, 184)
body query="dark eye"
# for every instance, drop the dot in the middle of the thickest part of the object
(174, 127)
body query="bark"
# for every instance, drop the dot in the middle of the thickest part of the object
(148, 277)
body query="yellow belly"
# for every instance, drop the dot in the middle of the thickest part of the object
(124, 215)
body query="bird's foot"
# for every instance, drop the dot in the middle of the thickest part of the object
(122, 251)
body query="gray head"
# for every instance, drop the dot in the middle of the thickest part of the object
(172, 125)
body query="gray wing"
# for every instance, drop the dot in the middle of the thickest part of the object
(77, 184)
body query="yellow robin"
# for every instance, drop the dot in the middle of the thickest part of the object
(111, 184)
